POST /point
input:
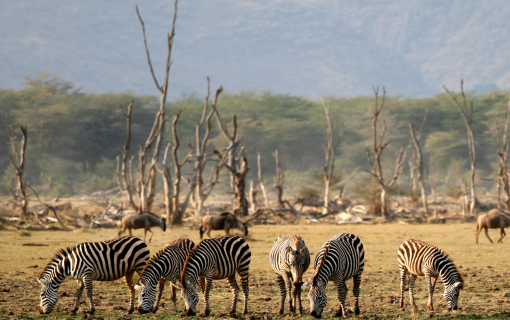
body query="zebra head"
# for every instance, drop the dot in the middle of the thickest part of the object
(295, 261)
(146, 297)
(49, 296)
(189, 295)
(451, 295)
(318, 297)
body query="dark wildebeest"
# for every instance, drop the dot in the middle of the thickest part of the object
(492, 220)
(144, 220)
(224, 221)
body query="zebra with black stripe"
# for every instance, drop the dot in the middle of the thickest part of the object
(423, 259)
(290, 258)
(165, 265)
(214, 259)
(341, 258)
(103, 261)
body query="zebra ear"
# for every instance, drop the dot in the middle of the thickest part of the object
(177, 285)
(289, 250)
(302, 251)
(321, 283)
(307, 285)
(139, 287)
(458, 285)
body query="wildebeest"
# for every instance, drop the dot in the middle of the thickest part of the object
(224, 221)
(144, 220)
(492, 220)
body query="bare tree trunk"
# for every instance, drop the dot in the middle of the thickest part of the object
(329, 155)
(432, 183)
(18, 161)
(419, 168)
(278, 181)
(253, 196)
(503, 172)
(261, 182)
(467, 116)
(241, 203)
(378, 145)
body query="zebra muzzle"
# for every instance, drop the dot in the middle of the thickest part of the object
(142, 311)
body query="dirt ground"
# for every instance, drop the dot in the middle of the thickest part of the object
(23, 256)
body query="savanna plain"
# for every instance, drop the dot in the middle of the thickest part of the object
(24, 254)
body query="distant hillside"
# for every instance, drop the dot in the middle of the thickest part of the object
(307, 48)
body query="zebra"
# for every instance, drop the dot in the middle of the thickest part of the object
(212, 259)
(165, 265)
(290, 258)
(341, 258)
(423, 259)
(103, 261)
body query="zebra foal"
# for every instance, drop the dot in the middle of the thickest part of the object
(423, 259)
(290, 258)
(165, 265)
(103, 261)
(213, 259)
(340, 259)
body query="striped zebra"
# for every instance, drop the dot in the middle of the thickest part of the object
(290, 258)
(165, 265)
(103, 261)
(341, 258)
(422, 259)
(212, 259)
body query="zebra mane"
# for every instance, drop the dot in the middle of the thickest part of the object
(156, 256)
(61, 254)
(185, 266)
(321, 262)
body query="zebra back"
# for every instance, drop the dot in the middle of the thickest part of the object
(167, 262)
(225, 255)
(420, 257)
(344, 254)
(290, 254)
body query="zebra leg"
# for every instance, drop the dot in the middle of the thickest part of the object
(88, 285)
(161, 287)
(430, 287)
(235, 292)
(355, 291)
(208, 286)
(174, 298)
(78, 294)
(129, 282)
(403, 273)
(246, 288)
(283, 292)
(341, 289)
(297, 298)
(288, 286)
(412, 279)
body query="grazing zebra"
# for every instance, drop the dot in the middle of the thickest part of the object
(103, 261)
(290, 258)
(212, 259)
(165, 265)
(423, 259)
(341, 258)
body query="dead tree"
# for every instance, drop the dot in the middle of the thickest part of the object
(418, 164)
(18, 161)
(467, 115)
(413, 158)
(201, 157)
(240, 200)
(278, 181)
(378, 145)
(503, 173)
(145, 183)
(329, 156)
(231, 159)
(261, 182)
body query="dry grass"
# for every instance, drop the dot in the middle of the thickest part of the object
(485, 267)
